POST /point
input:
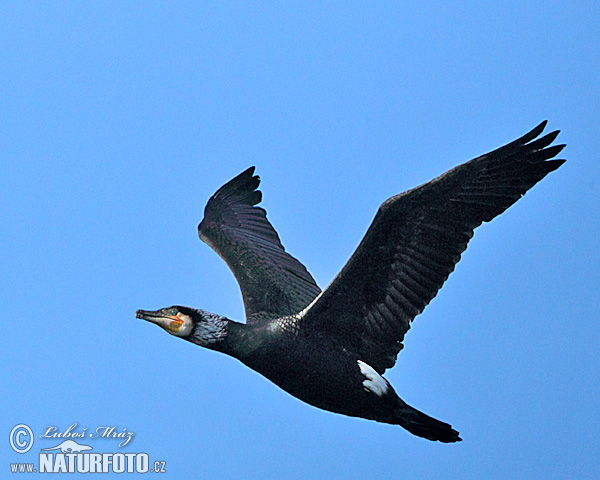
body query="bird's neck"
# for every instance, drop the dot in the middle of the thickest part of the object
(233, 342)
(217, 333)
(238, 340)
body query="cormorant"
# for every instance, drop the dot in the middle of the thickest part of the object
(330, 348)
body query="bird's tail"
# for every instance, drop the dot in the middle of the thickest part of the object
(423, 425)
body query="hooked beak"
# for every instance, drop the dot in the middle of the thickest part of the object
(150, 316)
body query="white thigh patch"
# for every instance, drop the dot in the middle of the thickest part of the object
(374, 382)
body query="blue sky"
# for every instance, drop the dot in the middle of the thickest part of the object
(120, 119)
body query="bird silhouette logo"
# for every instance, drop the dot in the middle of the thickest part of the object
(69, 446)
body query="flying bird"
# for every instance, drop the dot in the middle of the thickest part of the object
(330, 348)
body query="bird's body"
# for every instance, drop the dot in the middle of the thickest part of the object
(309, 367)
(331, 348)
(320, 371)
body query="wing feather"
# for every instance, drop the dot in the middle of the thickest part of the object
(414, 243)
(273, 283)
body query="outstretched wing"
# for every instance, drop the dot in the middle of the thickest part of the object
(273, 282)
(414, 243)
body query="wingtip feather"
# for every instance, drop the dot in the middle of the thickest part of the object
(536, 132)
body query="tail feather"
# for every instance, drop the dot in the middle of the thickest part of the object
(425, 426)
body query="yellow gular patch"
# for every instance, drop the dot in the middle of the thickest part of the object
(175, 325)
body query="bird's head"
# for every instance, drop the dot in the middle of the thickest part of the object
(173, 319)
(198, 326)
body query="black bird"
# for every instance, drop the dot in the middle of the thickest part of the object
(331, 348)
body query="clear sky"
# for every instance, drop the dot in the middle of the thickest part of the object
(118, 120)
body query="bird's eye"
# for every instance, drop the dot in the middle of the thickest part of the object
(174, 312)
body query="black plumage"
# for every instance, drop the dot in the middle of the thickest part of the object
(330, 348)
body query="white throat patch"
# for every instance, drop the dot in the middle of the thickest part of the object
(186, 327)
(374, 382)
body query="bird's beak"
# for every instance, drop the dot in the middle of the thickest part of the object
(154, 317)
